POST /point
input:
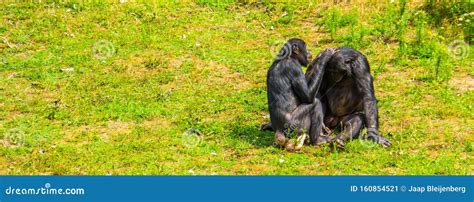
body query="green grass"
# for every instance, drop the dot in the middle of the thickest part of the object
(113, 88)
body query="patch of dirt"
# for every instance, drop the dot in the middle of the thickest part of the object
(462, 83)
(105, 132)
(143, 64)
(109, 129)
(156, 122)
(220, 74)
(116, 127)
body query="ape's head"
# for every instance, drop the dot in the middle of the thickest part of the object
(299, 51)
(342, 60)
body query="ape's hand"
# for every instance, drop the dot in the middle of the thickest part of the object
(332, 50)
(374, 136)
(326, 55)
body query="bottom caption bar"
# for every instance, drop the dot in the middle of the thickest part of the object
(236, 188)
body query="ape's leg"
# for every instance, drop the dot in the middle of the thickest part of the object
(318, 109)
(305, 119)
(299, 123)
(325, 127)
(310, 118)
(317, 137)
(352, 124)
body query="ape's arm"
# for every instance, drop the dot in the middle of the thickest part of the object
(314, 74)
(299, 84)
(364, 83)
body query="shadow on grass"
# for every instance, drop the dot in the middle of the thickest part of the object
(252, 135)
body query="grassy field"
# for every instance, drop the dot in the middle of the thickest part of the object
(125, 87)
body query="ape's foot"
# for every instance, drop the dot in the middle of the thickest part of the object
(280, 140)
(322, 139)
(266, 127)
(290, 145)
(379, 140)
(327, 130)
(338, 142)
(300, 141)
(296, 145)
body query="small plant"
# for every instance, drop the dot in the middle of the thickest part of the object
(459, 11)
(466, 22)
(419, 21)
(441, 69)
(402, 28)
(334, 20)
(287, 15)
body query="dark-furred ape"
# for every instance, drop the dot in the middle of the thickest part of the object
(292, 101)
(347, 96)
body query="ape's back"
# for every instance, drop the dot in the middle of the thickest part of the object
(280, 95)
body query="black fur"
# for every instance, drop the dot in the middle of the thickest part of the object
(292, 100)
(348, 98)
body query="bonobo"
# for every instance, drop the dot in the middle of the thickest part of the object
(347, 96)
(292, 100)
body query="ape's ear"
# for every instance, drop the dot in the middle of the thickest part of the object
(350, 65)
(348, 60)
(295, 49)
(351, 61)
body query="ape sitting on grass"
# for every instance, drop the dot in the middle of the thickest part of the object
(292, 101)
(347, 96)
